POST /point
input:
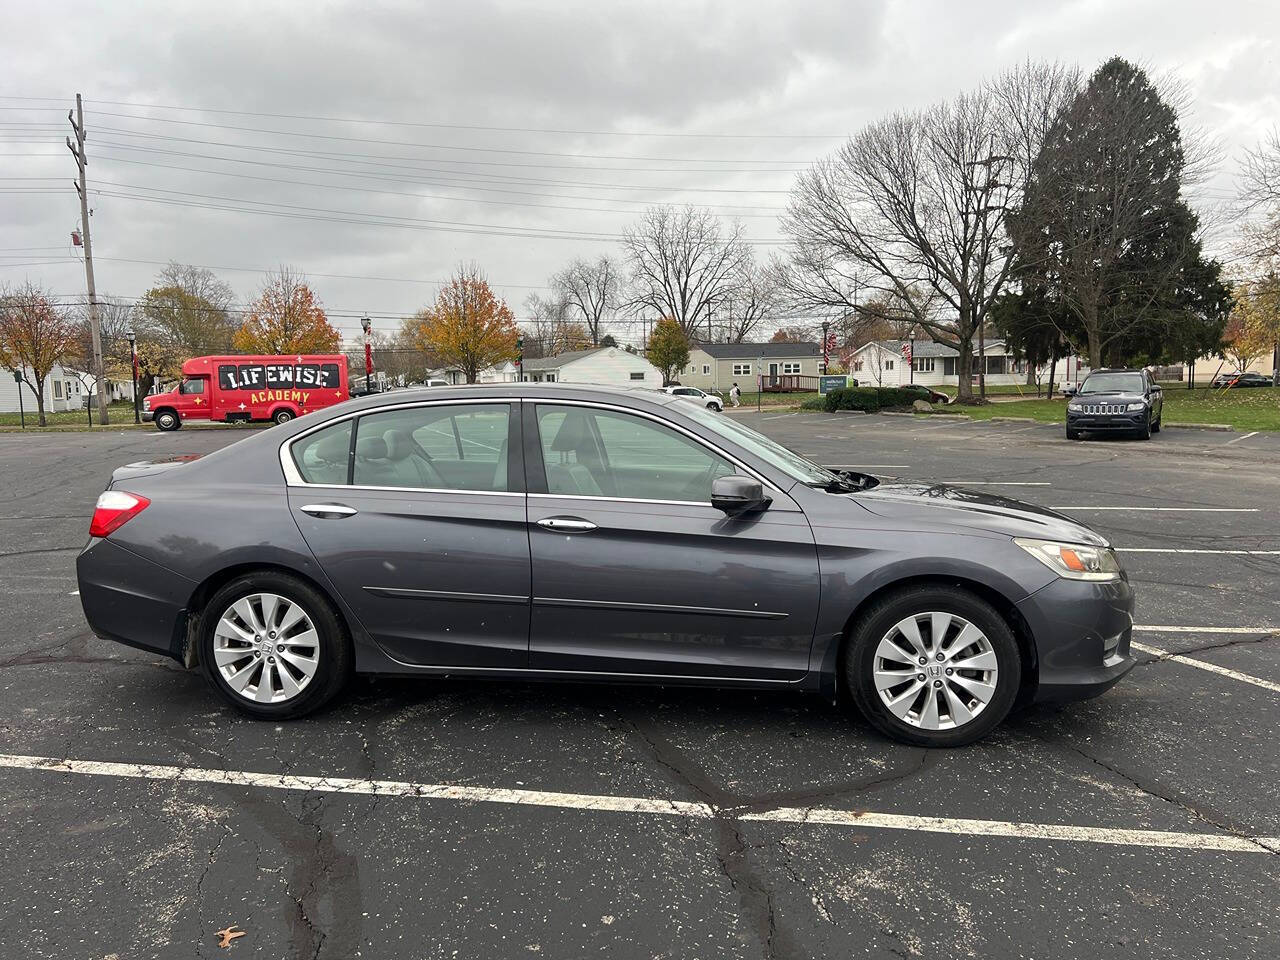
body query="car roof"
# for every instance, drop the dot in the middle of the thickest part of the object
(536, 391)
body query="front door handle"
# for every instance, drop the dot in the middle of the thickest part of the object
(333, 511)
(566, 524)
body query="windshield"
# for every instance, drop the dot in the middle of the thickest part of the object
(773, 453)
(1113, 383)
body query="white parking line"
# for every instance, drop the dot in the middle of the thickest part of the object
(998, 483)
(1169, 509)
(1157, 628)
(1245, 437)
(1250, 553)
(1206, 665)
(1201, 842)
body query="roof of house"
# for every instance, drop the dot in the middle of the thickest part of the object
(928, 348)
(560, 359)
(752, 351)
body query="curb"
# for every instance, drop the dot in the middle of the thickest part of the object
(1221, 427)
(1013, 420)
(131, 427)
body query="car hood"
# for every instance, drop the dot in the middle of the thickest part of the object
(1115, 396)
(939, 504)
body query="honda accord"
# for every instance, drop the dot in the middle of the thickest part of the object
(564, 532)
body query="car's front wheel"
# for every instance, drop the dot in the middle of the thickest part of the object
(933, 666)
(1073, 434)
(167, 420)
(273, 646)
(1145, 431)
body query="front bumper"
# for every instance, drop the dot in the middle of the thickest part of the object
(148, 416)
(1082, 632)
(1107, 423)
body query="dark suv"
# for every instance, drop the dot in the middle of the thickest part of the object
(1115, 401)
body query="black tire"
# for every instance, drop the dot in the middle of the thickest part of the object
(167, 420)
(282, 416)
(858, 663)
(335, 652)
(1145, 431)
(1073, 434)
(1155, 424)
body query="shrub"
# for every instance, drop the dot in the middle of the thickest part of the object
(869, 399)
(814, 403)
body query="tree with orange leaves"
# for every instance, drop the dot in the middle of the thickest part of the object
(468, 326)
(285, 319)
(34, 336)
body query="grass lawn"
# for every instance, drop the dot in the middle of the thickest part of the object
(116, 412)
(993, 389)
(1255, 408)
(772, 399)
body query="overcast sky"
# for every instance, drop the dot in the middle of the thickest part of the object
(518, 135)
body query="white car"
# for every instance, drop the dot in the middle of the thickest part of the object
(710, 400)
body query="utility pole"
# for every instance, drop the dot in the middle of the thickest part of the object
(95, 323)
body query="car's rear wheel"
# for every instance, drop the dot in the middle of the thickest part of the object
(282, 416)
(933, 666)
(273, 645)
(168, 420)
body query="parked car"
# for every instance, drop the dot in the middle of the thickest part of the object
(430, 382)
(933, 396)
(244, 388)
(1227, 380)
(709, 400)
(558, 531)
(1115, 401)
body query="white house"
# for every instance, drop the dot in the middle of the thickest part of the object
(881, 363)
(502, 373)
(63, 390)
(718, 366)
(607, 365)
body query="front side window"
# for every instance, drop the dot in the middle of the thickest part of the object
(588, 452)
(436, 447)
(192, 386)
(323, 456)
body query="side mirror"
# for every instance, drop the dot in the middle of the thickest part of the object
(736, 495)
(1068, 391)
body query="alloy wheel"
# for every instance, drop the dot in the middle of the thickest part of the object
(266, 648)
(935, 670)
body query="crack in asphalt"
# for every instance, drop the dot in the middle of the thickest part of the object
(733, 853)
(1220, 645)
(1168, 795)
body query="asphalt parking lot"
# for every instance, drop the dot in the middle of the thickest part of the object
(469, 819)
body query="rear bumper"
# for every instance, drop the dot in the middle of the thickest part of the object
(1082, 633)
(131, 600)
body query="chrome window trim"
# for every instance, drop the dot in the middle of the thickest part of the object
(585, 496)
(294, 479)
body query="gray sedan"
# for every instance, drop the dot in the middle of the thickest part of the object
(564, 532)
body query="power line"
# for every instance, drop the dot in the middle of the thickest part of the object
(449, 126)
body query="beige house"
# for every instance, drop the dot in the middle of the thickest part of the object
(717, 366)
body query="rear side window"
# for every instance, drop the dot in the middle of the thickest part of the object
(435, 447)
(323, 456)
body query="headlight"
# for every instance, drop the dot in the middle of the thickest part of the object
(1075, 561)
(1075, 405)
(146, 403)
(1135, 407)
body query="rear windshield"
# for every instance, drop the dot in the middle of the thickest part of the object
(1113, 383)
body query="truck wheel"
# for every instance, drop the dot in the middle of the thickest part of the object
(282, 416)
(168, 420)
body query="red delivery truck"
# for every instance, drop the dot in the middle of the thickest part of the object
(239, 387)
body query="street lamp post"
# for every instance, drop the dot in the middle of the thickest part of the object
(911, 338)
(133, 363)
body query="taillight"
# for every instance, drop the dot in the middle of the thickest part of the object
(114, 509)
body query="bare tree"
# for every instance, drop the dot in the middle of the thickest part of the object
(914, 207)
(1261, 196)
(551, 329)
(591, 288)
(757, 299)
(684, 265)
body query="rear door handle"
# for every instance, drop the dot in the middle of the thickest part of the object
(334, 511)
(566, 524)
